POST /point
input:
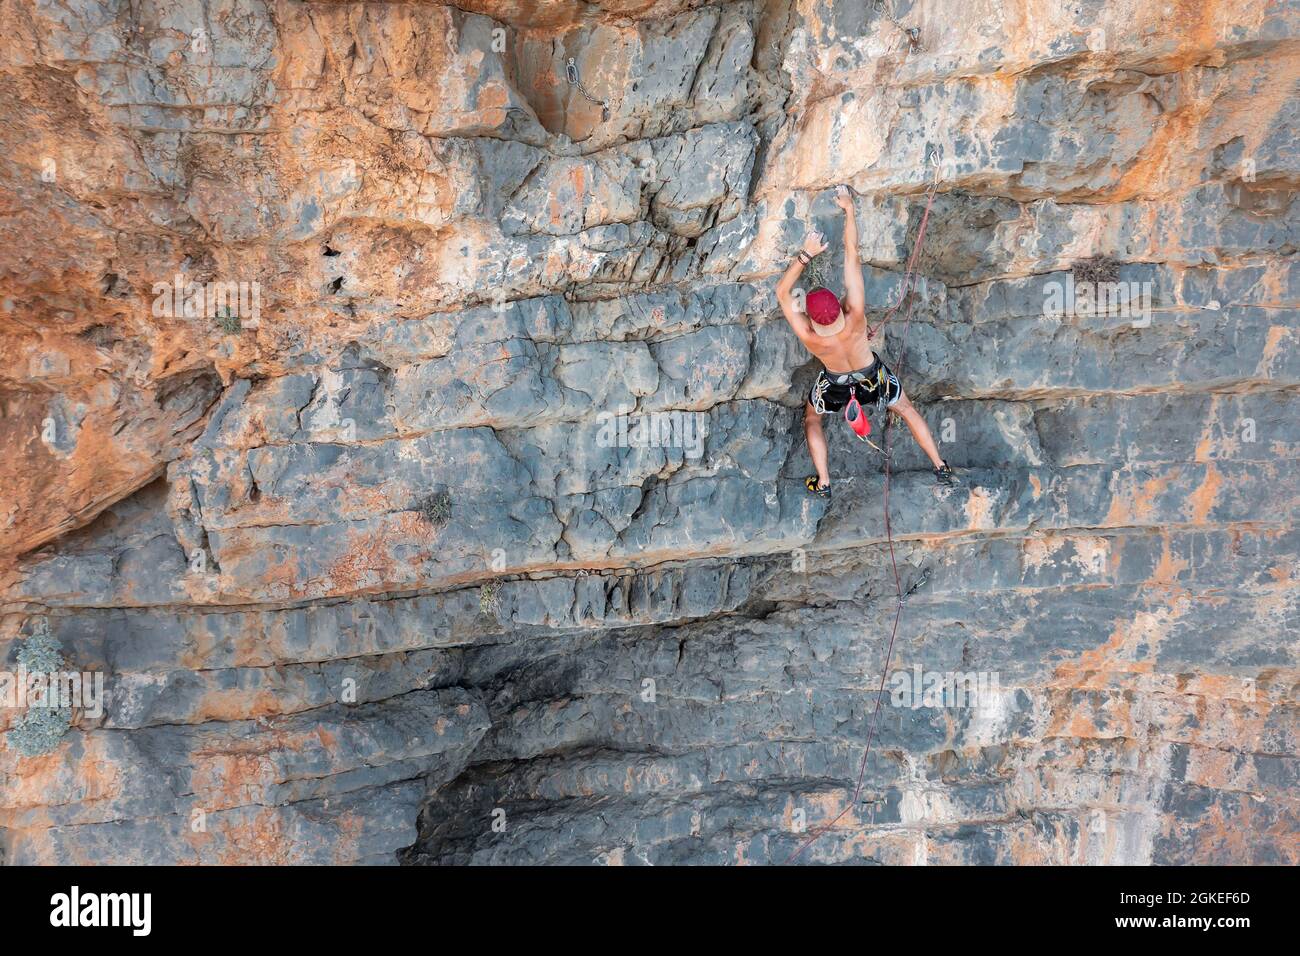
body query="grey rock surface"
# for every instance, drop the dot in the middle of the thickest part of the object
(488, 542)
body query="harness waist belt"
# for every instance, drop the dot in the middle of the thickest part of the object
(861, 376)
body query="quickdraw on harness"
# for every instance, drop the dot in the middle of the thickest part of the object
(889, 536)
(571, 74)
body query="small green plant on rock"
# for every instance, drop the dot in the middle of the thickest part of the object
(41, 654)
(487, 597)
(229, 322)
(435, 508)
(42, 725)
(39, 730)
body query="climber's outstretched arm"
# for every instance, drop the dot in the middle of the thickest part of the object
(813, 244)
(856, 297)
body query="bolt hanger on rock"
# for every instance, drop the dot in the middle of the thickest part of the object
(571, 74)
(913, 34)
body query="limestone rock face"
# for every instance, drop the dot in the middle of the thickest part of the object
(409, 436)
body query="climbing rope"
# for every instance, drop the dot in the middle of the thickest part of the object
(909, 275)
(906, 297)
(571, 74)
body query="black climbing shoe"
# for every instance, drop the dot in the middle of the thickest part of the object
(815, 488)
(946, 477)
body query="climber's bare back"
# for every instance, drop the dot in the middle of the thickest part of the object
(847, 351)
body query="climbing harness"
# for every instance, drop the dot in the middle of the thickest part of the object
(854, 415)
(571, 74)
(889, 536)
(875, 383)
(873, 378)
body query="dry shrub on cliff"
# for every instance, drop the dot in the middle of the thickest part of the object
(435, 508)
(1096, 269)
(487, 597)
(228, 322)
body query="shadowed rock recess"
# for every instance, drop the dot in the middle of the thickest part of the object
(366, 577)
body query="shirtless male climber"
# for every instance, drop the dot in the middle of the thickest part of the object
(853, 376)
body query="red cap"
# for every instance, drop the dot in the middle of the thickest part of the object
(823, 308)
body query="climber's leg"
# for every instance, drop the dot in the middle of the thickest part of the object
(812, 429)
(905, 410)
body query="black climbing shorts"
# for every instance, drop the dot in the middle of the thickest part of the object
(875, 385)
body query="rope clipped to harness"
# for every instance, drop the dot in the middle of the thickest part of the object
(893, 560)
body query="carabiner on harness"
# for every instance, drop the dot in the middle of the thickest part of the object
(819, 394)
